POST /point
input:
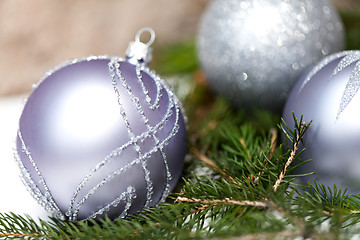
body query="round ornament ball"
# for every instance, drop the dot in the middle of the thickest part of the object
(253, 51)
(328, 95)
(102, 136)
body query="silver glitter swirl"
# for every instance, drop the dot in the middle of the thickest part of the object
(352, 87)
(352, 56)
(253, 51)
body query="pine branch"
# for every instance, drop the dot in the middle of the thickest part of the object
(225, 201)
(298, 139)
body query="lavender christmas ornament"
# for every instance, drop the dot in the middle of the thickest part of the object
(253, 51)
(102, 136)
(329, 96)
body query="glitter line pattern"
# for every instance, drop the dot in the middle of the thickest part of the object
(129, 195)
(46, 200)
(319, 66)
(352, 86)
(352, 56)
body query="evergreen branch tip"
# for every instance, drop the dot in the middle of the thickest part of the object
(291, 158)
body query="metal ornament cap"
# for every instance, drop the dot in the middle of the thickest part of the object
(101, 136)
(139, 51)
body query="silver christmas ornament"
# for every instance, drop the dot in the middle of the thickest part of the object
(253, 51)
(102, 136)
(329, 96)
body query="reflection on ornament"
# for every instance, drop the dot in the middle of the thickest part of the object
(328, 95)
(256, 16)
(253, 51)
(102, 136)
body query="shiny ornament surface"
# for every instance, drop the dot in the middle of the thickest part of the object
(101, 136)
(328, 95)
(253, 51)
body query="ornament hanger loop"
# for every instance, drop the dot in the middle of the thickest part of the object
(143, 30)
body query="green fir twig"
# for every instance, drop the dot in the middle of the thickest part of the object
(297, 140)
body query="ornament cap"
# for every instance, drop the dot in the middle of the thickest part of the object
(138, 51)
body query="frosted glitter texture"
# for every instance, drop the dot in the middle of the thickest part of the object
(101, 136)
(329, 96)
(253, 51)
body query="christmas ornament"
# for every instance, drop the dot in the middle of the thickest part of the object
(328, 95)
(253, 51)
(102, 136)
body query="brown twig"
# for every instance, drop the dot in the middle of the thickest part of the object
(330, 214)
(291, 157)
(273, 141)
(265, 204)
(19, 235)
(242, 141)
(354, 211)
(210, 163)
(208, 128)
(225, 201)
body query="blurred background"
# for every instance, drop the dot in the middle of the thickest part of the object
(37, 35)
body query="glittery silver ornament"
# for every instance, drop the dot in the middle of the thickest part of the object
(101, 136)
(253, 51)
(328, 95)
